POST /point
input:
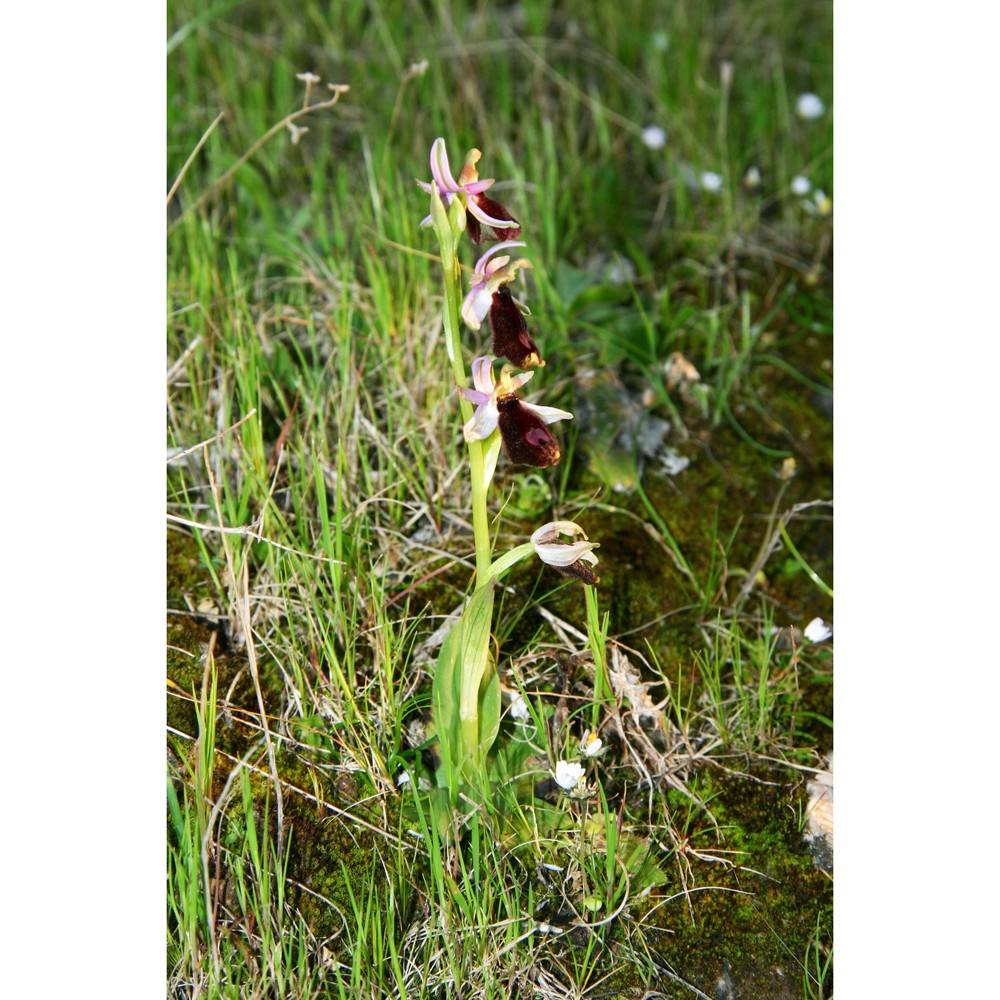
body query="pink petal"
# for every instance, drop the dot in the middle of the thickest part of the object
(440, 168)
(482, 374)
(476, 305)
(483, 423)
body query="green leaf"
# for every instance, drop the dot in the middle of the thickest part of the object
(489, 708)
(445, 700)
(475, 659)
(466, 692)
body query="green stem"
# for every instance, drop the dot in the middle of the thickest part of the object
(597, 633)
(813, 575)
(453, 339)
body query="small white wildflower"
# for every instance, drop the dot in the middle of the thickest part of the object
(519, 709)
(307, 77)
(711, 181)
(809, 107)
(653, 137)
(751, 179)
(801, 185)
(591, 744)
(817, 630)
(403, 778)
(568, 774)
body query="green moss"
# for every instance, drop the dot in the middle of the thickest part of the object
(763, 913)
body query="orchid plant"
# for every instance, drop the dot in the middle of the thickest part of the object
(466, 690)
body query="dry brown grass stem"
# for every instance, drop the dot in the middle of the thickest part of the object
(194, 153)
(221, 182)
(177, 455)
(251, 531)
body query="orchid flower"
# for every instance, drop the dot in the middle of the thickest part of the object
(526, 439)
(489, 296)
(487, 220)
(568, 558)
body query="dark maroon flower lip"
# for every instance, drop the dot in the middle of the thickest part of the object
(579, 571)
(526, 439)
(482, 231)
(511, 339)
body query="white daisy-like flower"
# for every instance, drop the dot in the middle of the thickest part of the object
(801, 185)
(653, 137)
(568, 774)
(751, 179)
(809, 107)
(590, 745)
(817, 630)
(711, 181)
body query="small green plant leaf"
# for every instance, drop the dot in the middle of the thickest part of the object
(445, 700)
(474, 662)
(489, 707)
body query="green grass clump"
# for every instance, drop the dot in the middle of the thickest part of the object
(319, 536)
